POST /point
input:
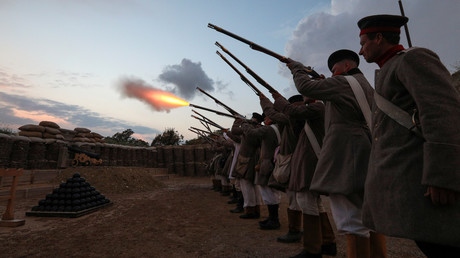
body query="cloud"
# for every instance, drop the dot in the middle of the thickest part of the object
(432, 24)
(186, 76)
(18, 110)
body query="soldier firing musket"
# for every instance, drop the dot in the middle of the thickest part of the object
(257, 47)
(248, 70)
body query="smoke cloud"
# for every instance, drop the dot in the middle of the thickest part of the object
(186, 76)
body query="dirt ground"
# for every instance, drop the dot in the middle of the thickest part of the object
(175, 217)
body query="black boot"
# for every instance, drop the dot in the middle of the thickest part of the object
(239, 205)
(305, 254)
(250, 213)
(273, 220)
(234, 197)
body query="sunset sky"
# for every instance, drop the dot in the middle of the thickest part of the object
(65, 61)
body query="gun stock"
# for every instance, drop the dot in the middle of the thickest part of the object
(243, 78)
(259, 48)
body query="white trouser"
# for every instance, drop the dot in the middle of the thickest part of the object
(269, 195)
(293, 205)
(346, 211)
(250, 193)
(223, 179)
(308, 202)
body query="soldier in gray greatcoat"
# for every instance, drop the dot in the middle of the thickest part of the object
(318, 235)
(245, 167)
(342, 166)
(413, 184)
(268, 137)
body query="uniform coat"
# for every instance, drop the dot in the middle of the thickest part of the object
(266, 137)
(402, 165)
(304, 160)
(248, 154)
(342, 165)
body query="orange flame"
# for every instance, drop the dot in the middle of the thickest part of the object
(168, 99)
(158, 99)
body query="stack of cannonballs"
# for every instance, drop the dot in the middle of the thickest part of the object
(73, 197)
(45, 129)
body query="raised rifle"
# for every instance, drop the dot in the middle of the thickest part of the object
(215, 111)
(207, 138)
(406, 29)
(207, 120)
(254, 88)
(233, 112)
(248, 70)
(257, 47)
(203, 131)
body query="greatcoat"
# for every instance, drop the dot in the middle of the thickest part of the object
(266, 137)
(342, 165)
(402, 164)
(248, 154)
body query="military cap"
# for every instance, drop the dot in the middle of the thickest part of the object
(258, 117)
(295, 98)
(341, 55)
(382, 23)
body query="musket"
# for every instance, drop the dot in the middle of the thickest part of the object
(207, 120)
(200, 130)
(249, 83)
(208, 139)
(405, 25)
(233, 112)
(215, 111)
(248, 70)
(257, 47)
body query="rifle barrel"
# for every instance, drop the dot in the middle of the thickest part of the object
(259, 48)
(249, 83)
(248, 70)
(212, 110)
(232, 111)
(406, 29)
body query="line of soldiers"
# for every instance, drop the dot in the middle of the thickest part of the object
(381, 178)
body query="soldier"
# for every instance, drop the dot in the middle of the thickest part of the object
(342, 164)
(413, 185)
(268, 137)
(318, 235)
(245, 167)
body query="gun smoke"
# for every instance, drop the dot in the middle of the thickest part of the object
(186, 76)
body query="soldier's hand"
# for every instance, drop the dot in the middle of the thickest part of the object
(442, 196)
(276, 95)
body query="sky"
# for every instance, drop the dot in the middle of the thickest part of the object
(67, 61)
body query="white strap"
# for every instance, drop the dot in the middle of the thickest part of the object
(277, 133)
(313, 141)
(361, 98)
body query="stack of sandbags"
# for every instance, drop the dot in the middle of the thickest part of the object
(85, 135)
(82, 135)
(45, 130)
(51, 130)
(31, 130)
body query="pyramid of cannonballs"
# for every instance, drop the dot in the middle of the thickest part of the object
(73, 198)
